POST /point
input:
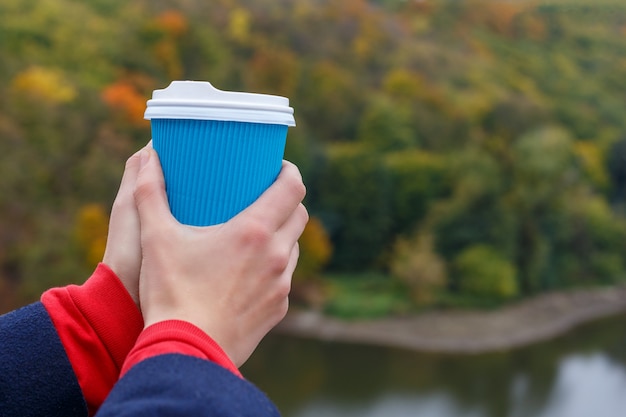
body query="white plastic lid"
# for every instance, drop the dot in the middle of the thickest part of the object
(200, 100)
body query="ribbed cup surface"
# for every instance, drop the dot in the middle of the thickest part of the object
(215, 169)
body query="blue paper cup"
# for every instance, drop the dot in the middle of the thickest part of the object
(219, 150)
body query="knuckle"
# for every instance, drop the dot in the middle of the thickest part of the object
(278, 262)
(296, 249)
(133, 163)
(282, 309)
(295, 184)
(298, 188)
(256, 234)
(143, 191)
(304, 213)
(280, 300)
(284, 290)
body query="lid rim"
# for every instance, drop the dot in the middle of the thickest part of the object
(228, 115)
(218, 105)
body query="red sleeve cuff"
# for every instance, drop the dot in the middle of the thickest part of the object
(98, 324)
(176, 336)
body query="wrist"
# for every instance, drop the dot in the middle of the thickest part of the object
(122, 271)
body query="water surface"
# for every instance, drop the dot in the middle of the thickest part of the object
(582, 374)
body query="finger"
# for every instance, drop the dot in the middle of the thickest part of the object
(124, 212)
(279, 201)
(149, 192)
(293, 262)
(131, 170)
(286, 278)
(129, 178)
(293, 227)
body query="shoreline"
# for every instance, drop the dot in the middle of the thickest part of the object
(527, 322)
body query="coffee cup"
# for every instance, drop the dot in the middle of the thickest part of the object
(219, 150)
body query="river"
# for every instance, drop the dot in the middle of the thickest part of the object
(581, 374)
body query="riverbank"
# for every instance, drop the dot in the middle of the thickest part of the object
(469, 332)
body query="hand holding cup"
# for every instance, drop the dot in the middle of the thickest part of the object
(231, 280)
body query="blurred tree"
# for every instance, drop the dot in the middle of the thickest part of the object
(44, 84)
(592, 160)
(417, 180)
(170, 27)
(331, 99)
(532, 25)
(475, 212)
(512, 116)
(485, 273)
(90, 233)
(386, 126)
(126, 101)
(239, 25)
(315, 250)
(36, 203)
(444, 106)
(417, 266)
(403, 85)
(544, 171)
(273, 71)
(354, 204)
(172, 22)
(588, 246)
(616, 166)
(500, 16)
(563, 224)
(545, 166)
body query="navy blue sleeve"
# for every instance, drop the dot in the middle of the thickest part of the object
(36, 377)
(175, 385)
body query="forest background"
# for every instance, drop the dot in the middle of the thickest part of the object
(456, 153)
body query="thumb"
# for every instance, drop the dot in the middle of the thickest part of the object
(150, 196)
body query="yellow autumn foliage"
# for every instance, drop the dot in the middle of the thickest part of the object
(419, 267)
(44, 84)
(404, 84)
(315, 250)
(90, 232)
(592, 158)
(166, 52)
(239, 24)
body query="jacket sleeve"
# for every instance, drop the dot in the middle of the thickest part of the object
(36, 376)
(98, 324)
(177, 336)
(175, 369)
(173, 385)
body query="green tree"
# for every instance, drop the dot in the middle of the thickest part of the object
(544, 171)
(353, 201)
(418, 179)
(485, 273)
(475, 211)
(588, 246)
(331, 100)
(386, 126)
(615, 160)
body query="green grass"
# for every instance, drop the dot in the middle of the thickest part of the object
(353, 296)
(369, 295)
